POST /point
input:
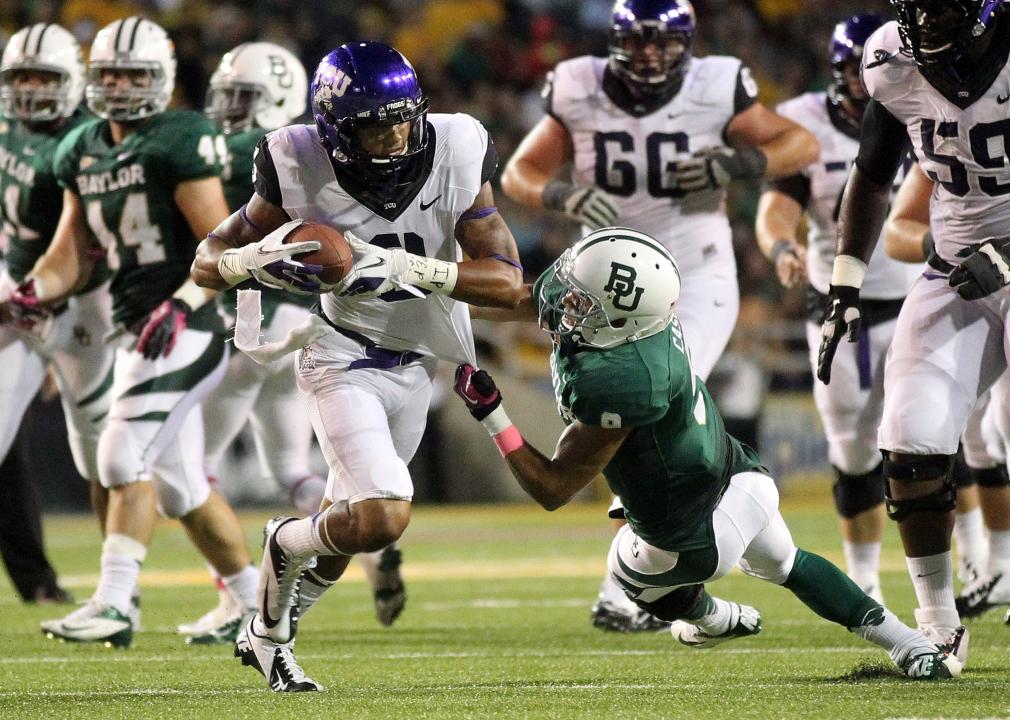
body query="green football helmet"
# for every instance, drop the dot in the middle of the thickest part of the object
(614, 286)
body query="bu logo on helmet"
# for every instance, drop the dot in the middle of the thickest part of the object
(622, 284)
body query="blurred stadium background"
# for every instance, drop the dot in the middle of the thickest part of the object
(489, 58)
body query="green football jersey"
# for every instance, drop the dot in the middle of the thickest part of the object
(238, 188)
(673, 467)
(31, 199)
(128, 194)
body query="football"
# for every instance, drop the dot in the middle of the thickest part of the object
(334, 253)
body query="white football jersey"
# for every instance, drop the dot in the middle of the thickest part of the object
(886, 278)
(630, 156)
(435, 325)
(964, 151)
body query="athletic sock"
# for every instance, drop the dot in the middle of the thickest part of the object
(712, 614)
(863, 562)
(243, 586)
(933, 580)
(969, 536)
(828, 591)
(307, 537)
(881, 627)
(121, 560)
(311, 589)
(999, 552)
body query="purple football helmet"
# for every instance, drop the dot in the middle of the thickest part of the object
(938, 32)
(670, 25)
(362, 86)
(846, 94)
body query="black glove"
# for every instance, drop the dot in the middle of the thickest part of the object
(844, 316)
(478, 391)
(713, 168)
(985, 270)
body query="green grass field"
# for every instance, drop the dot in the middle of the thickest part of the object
(496, 625)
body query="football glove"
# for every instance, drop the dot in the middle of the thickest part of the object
(271, 263)
(716, 167)
(985, 270)
(590, 206)
(23, 309)
(844, 317)
(376, 270)
(478, 391)
(165, 323)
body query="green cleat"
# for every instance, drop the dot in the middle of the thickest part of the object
(92, 623)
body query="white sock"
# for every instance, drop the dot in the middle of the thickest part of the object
(121, 560)
(312, 588)
(307, 537)
(717, 620)
(306, 493)
(612, 592)
(999, 551)
(892, 635)
(863, 563)
(243, 586)
(933, 580)
(969, 535)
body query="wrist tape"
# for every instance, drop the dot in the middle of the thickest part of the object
(505, 435)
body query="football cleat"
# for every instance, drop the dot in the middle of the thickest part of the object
(274, 661)
(224, 634)
(931, 664)
(647, 622)
(986, 592)
(225, 610)
(280, 578)
(388, 590)
(942, 627)
(613, 616)
(92, 623)
(969, 570)
(744, 621)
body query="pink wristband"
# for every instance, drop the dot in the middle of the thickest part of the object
(508, 440)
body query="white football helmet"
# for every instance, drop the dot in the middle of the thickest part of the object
(257, 84)
(42, 48)
(133, 44)
(614, 286)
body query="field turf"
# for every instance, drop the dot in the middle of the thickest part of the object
(496, 625)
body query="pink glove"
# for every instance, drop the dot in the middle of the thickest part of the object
(165, 323)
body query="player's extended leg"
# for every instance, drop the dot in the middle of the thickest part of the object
(850, 409)
(971, 543)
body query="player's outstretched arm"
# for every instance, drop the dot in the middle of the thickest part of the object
(250, 224)
(525, 311)
(787, 146)
(778, 218)
(67, 264)
(582, 452)
(906, 231)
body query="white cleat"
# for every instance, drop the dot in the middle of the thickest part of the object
(91, 623)
(280, 578)
(274, 661)
(744, 622)
(225, 609)
(943, 628)
(985, 593)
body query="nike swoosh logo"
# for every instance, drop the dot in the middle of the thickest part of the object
(379, 262)
(425, 206)
(923, 575)
(1001, 99)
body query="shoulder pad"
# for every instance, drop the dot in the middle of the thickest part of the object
(460, 139)
(886, 67)
(711, 80)
(575, 81)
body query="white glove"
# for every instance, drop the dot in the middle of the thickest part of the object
(376, 270)
(590, 206)
(712, 168)
(270, 262)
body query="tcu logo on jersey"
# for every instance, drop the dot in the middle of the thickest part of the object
(622, 284)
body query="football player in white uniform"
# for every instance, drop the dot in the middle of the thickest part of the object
(907, 236)
(850, 406)
(939, 76)
(655, 135)
(410, 191)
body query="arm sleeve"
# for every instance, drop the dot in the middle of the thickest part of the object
(883, 142)
(746, 91)
(795, 186)
(265, 181)
(490, 164)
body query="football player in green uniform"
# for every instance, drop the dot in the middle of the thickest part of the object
(697, 501)
(41, 87)
(145, 182)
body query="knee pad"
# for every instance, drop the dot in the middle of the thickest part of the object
(919, 468)
(855, 494)
(994, 477)
(676, 604)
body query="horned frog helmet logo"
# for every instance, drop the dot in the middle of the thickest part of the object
(615, 286)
